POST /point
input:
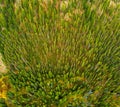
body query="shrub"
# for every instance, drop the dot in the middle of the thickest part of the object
(60, 53)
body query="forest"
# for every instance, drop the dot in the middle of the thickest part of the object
(59, 53)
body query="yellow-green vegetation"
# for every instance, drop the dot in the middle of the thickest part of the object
(61, 53)
(4, 87)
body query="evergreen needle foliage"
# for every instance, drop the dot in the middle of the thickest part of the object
(61, 53)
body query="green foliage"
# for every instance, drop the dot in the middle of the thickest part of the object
(61, 54)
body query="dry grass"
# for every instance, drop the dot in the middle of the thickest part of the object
(2, 66)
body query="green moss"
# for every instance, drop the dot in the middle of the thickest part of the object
(61, 57)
